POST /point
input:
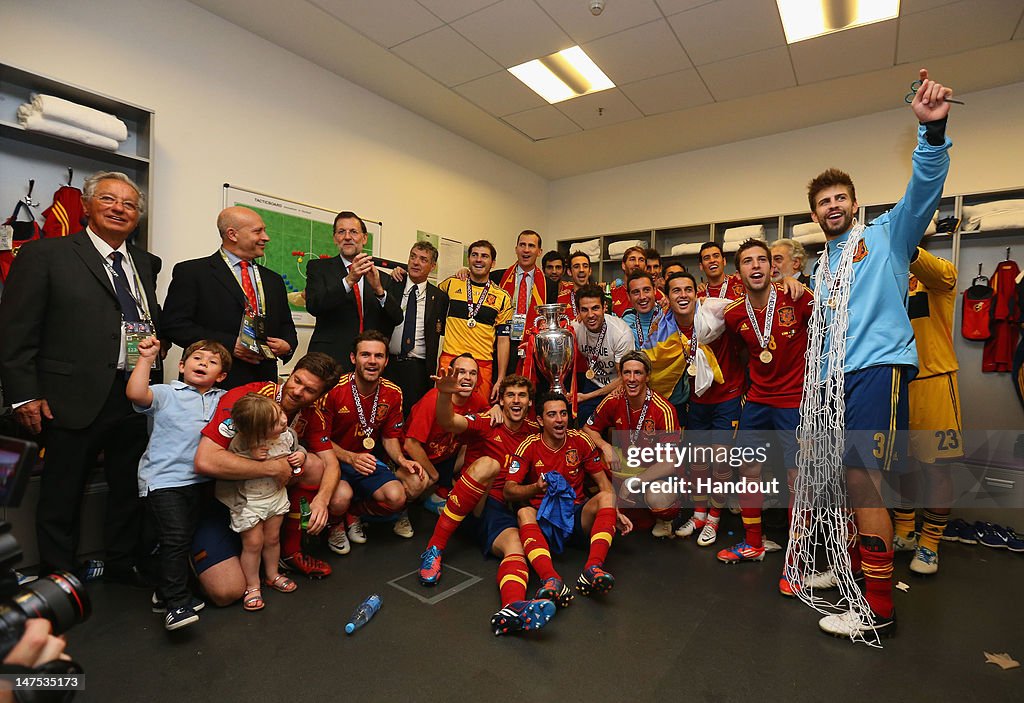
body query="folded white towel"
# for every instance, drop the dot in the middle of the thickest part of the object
(591, 247)
(806, 229)
(76, 115)
(32, 120)
(617, 249)
(688, 249)
(734, 236)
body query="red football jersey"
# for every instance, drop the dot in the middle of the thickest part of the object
(780, 382)
(423, 427)
(613, 412)
(576, 456)
(341, 421)
(734, 289)
(567, 297)
(306, 424)
(726, 351)
(498, 442)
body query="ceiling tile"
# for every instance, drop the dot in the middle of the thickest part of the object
(858, 50)
(387, 22)
(513, 31)
(760, 72)
(668, 93)
(962, 26)
(599, 109)
(501, 94)
(542, 123)
(451, 10)
(575, 18)
(728, 28)
(446, 55)
(909, 7)
(641, 52)
(671, 7)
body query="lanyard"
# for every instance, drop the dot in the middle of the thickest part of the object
(471, 309)
(365, 426)
(141, 304)
(634, 435)
(638, 325)
(260, 306)
(763, 338)
(600, 343)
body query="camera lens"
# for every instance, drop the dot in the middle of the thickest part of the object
(59, 597)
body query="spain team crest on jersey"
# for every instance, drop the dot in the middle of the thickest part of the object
(738, 290)
(491, 299)
(382, 411)
(299, 426)
(648, 428)
(787, 316)
(862, 251)
(572, 458)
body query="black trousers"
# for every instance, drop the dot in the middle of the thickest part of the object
(121, 434)
(175, 512)
(412, 376)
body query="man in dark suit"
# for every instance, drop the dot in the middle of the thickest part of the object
(416, 339)
(209, 296)
(64, 365)
(346, 294)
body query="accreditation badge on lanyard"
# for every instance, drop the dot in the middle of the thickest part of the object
(252, 333)
(137, 330)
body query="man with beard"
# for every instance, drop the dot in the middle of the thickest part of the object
(644, 315)
(601, 342)
(579, 276)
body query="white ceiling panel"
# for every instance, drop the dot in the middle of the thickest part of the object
(574, 16)
(513, 31)
(668, 93)
(728, 28)
(962, 26)
(446, 55)
(846, 53)
(501, 94)
(760, 72)
(599, 109)
(542, 123)
(641, 52)
(909, 7)
(451, 10)
(387, 22)
(670, 7)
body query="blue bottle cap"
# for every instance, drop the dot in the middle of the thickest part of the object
(349, 629)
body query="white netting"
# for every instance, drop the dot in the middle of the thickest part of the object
(821, 516)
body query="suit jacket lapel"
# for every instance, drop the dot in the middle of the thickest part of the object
(223, 274)
(92, 260)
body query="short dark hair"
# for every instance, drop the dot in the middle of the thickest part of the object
(751, 244)
(483, 243)
(553, 255)
(349, 215)
(826, 179)
(650, 254)
(551, 397)
(679, 274)
(540, 242)
(708, 245)
(427, 247)
(370, 336)
(515, 381)
(635, 355)
(589, 291)
(464, 355)
(214, 347)
(321, 365)
(637, 275)
(578, 254)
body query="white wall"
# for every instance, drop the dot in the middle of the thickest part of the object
(769, 175)
(231, 107)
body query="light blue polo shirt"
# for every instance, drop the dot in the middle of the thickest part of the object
(177, 416)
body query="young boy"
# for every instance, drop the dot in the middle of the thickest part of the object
(178, 412)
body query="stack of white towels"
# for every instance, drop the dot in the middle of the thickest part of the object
(62, 118)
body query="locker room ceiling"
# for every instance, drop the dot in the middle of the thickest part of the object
(689, 74)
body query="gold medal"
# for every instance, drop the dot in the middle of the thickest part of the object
(368, 443)
(765, 357)
(833, 303)
(471, 323)
(692, 370)
(590, 374)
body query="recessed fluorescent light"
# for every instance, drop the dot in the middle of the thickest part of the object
(568, 74)
(803, 19)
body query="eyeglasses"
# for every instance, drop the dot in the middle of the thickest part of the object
(350, 232)
(109, 201)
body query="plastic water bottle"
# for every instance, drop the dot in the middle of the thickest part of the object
(366, 610)
(305, 513)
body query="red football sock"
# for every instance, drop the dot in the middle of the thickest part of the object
(750, 508)
(877, 566)
(601, 537)
(291, 526)
(670, 513)
(513, 575)
(463, 498)
(536, 547)
(374, 507)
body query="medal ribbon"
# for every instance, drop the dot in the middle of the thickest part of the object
(763, 338)
(600, 342)
(638, 325)
(366, 427)
(691, 351)
(472, 309)
(634, 435)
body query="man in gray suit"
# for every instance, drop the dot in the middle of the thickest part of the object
(64, 364)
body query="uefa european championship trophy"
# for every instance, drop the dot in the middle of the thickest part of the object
(554, 347)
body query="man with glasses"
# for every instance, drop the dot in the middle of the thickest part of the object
(230, 298)
(70, 311)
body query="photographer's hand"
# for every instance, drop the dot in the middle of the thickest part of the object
(37, 646)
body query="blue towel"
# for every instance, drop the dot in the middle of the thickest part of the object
(556, 515)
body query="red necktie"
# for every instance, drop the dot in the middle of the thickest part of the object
(523, 299)
(250, 293)
(359, 303)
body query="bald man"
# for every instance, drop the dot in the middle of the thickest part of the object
(230, 298)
